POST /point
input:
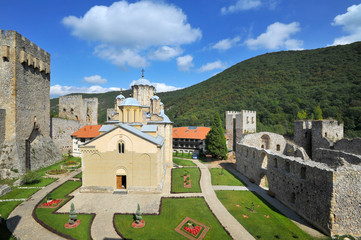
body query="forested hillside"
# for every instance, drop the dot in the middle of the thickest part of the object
(278, 86)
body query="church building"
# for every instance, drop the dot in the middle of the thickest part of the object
(134, 149)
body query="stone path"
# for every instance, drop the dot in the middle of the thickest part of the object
(21, 223)
(235, 229)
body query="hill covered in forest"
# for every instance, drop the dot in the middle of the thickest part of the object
(277, 85)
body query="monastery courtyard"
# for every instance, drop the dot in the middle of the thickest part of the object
(105, 205)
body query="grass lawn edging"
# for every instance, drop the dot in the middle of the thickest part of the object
(66, 213)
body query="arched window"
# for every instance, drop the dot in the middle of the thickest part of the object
(121, 147)
(278, 147)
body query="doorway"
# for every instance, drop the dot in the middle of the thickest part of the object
(121, 182)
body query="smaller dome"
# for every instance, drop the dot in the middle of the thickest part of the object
(155, 97)
(120, 97)
(142, 81)
(130, 102)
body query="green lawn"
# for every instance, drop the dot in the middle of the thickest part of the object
(20, 193)
(57, 221)
(79, 175)
(174, 210)
(183, 162)
(178, 181)
(257, 222)
(57, 165)
(221, 176)
(43, 182)
(183, 155)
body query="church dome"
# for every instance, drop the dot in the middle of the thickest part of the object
(130, 102)
(142, 81)
(120, 97)
(155, 97)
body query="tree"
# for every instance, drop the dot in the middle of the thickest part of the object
(215, 139)
(302, 115)
(318, 113)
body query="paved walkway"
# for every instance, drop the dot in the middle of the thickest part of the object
(21, 223)
(235, 229)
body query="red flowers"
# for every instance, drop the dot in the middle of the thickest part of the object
(51, 203)
(194, 231)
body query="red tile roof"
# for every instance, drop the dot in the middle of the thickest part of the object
(191, 133)
(89, 131)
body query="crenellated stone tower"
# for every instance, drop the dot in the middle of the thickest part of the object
(24, 105)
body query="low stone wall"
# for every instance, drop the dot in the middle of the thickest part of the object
(336, 158)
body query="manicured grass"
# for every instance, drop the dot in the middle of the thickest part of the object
(42, 171)
(43, 182)
(174, 210)
(221, 176)
(7, 207)
(20, 193)
(79, 175)
(183, 162)
(183, 155)
(257, 223)
(178, 180)
(57, 221)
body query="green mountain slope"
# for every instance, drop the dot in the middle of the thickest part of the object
(276, 85)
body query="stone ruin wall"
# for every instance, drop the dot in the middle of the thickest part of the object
(2, 127)
(349, 145)
(303, 135)
(309, 194)
(25, 89)
(231, 128)
(74, 113)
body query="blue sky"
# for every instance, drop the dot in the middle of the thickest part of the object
(102, 45)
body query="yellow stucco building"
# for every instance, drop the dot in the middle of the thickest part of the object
(134, 149)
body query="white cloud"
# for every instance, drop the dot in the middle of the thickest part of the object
(211, 66)
(95, 79)
(165, 53)
(351, 24)
(160, 87)
(226, 43)
(120, 57)
(184, 63)
(277, 35)
(241, 5)
(58, 90)
(133, 28)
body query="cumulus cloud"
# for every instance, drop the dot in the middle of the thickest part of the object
(160, 87)
(95, 79)
(211, 66)
(165, 53)
(58, 90)
(351, 24)
(226, 43)
(132, 28)
(241, 5)
(277, 35)
(184, 63)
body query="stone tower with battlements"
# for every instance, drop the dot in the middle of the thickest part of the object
(239, 123)
(74, 107)
(24, 105)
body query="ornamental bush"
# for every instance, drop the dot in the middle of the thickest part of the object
(31, 177)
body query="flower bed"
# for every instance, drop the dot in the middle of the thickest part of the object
(192, 229)
(56, 171)
(52, 203)
(187, 181)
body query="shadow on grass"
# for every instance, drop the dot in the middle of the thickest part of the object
(227, 166)
(4, 231)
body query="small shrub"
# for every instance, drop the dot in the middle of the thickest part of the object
(186, 172)
(31, 177)
(187, 179)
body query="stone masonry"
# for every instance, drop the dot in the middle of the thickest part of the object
(24, 104)
(325, 190)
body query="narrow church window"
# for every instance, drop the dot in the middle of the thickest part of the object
(252, 119)
(325, 134)
(120, 148)
(275, 164)
(278, 147)
(247, 119)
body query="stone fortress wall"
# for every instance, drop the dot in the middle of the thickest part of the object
(238, 123)
(25, 104)
(325, 190)
(74, 113)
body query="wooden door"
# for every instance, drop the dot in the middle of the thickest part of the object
(119, 182)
